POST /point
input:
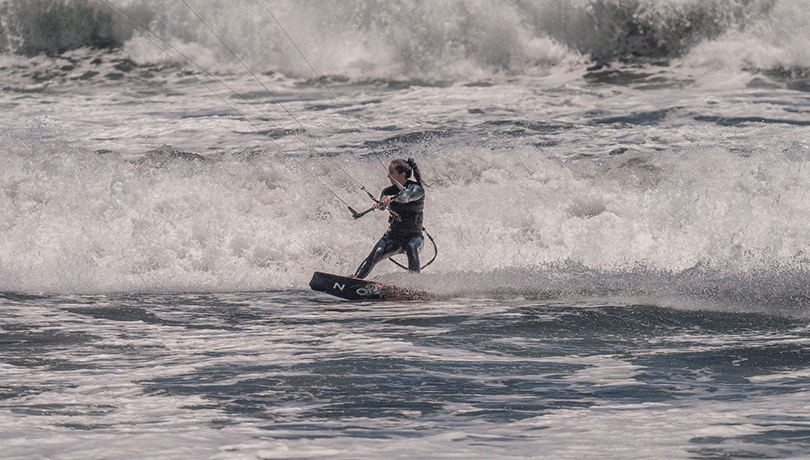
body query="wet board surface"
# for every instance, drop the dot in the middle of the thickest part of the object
(350, 288)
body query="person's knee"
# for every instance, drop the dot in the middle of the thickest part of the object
(379, 253)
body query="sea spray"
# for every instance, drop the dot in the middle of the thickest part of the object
(77, 221)
(415, 40)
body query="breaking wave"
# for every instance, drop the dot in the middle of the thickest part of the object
(434, 40)
(669, 225)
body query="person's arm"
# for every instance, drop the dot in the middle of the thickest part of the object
(385, 199)
(412, 193)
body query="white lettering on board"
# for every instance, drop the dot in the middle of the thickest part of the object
(339, 286)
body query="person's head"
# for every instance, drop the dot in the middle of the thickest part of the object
(401, 170)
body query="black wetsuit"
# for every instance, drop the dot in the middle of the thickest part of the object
(404, 231)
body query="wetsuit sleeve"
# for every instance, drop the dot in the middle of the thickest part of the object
(389, 191)
(412, 193)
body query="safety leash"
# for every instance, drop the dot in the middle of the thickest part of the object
(435, 253)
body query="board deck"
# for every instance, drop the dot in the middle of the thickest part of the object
(350, 288)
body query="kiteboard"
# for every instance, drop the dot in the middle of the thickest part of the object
(350, 288)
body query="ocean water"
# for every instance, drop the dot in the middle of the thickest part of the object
(617, 190)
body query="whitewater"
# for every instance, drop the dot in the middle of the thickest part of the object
(617, 190)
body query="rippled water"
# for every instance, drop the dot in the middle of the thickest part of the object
(292, 374)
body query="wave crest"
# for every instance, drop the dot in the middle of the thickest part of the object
(432, 40)
(52, 27)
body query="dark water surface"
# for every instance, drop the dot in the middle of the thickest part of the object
(292, 374)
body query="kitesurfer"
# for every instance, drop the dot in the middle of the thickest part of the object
(405, 200)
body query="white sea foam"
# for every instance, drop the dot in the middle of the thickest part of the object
(642, 173)
(434, 41)
(78, 221)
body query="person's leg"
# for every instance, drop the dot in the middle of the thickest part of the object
(412, 251)
(384, 249)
